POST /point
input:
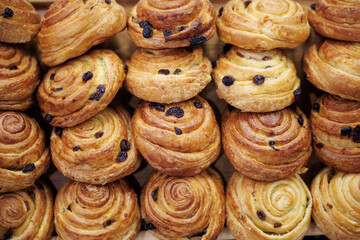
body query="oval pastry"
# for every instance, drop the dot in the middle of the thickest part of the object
(71, 28)
(23, 154)
(335, 124)
(256, 81)
(178, 139)
(85, 211)
(77, 90)
(263, 24)
(159, 24)
(184, 207)
(268, 210)
(167, 76)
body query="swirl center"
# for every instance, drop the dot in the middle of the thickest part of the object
(159, 4)
(12, 212)
(93, 195)
(270, 119)
(282, 200)
(13, 123)
(274, 7)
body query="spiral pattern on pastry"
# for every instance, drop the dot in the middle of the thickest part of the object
(263, 24)
(334, 67)
(179, 139)
(278, 210)
(335, 124)
(159, 24)
(85, 211)
(256, 81)
(267, 146)
(169, 75)
(184, 207)
(72, 27)
(77, 90)
(23, 154)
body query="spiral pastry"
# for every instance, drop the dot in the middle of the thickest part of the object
(256, 81)
(169, 75)
(89, 212)
(159, 24)
(334, 67)
(178, 139)
(23, 154)
(278, 210)
(184, 207)
(77, 90)
(263, 24)
(73, 27)
(335, 124)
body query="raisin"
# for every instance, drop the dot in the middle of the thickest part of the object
(150, 226)
(346, 131)
(143, 24)
(124, 145)
(313, 6)
(154, 194)
(175, 111)
(197, 40)
(227, 48)
(261, 215)
(272, 143)
(228, 81)
(277, 225)
(76, 148)
(168, 32)
(266, 58)
(92, 96)
(356, 138)
(297, 93)
(259, 79)
(329, 205)
(121, 157)
(87, 76)
(58, 131)
(56, 89)
(181, 28)
(246, 3)
(177, 71)
(213, 63)
(319, 145)
(178, 131)
(159, 107)
(28, 168)
(108, 223)
(230, 107)
(239, 54)
(300, 120)
(316, 107)
(221, 11)
(52, 76)
(99, 134)
(198, 104)
(126, 69)
(8, 12)
(100, 90)
(108, 1)
(48, 118)
(8, 234)
(13, 67)
(147, 32)
(143, 225)
(164, 71)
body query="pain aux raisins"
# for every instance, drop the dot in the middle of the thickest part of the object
(197, 40)
(87, 76)
(175, 111)
(28, 167)
(258, 79)
(168, 33)
(272, 143)
(228, 81)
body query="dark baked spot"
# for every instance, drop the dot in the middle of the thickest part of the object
(143, 24)
(108, 1)
(267, 67)
(56, 89)
(227, 48)
(52, 76)
(266, 58)
(198, 104)
(100, 90)
(301, 120)
(319, 145)
(108, 223)
(69, 208)
(143, 225)
(272, 143)
(230, 107)
(147, 32)
(189, 49)
(58, 131)
(126, 69)
(316, 107)
(277, 225)
(63, 98)
(175, 111)
(124, 145)
(8, 234)
(177, 71)
(221, 11)
(228, 81)
(92, 96)
(48, 117)
(246, 3)
(98, 134)
(121, 157)
(13, 67)
(76, 148)
(8, 12)
(178, 131)
(168, 33)
(28, 167)
(297, 93)
(92, 7)
(213, 63)
(261, 215)
(258, 79)
(164, 71)
(329, 205)
(313, 6)
(197, 40)
(87, 76)
(154, 194)
(346, 131)
(27, 205)
(239, 54)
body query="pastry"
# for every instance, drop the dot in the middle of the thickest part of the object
(256, 81)
(179, 139)
(72, 27)
(334, 67)
(77, 90)
(160, 24)
(268, 210)
(335, 124)
(169, 75)
(184, 207)
(267, 146)
(23, 154)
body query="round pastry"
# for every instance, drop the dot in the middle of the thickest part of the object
(184, 207)
(178, 139)
(27, 214)
(267, 146)
(19, 76)
(263, 24)
(23, 154)
(338, 19)
(169, 75)
(73, 27)
(256, 81)
(278, 210)
(90, 212)
(19, 21)
(159, 24)
(97, 151)
(335, 124)
(77, 90)
(334, 67)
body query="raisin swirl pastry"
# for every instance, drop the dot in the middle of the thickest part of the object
(256, 81)
(335, 124)
(77, 90)
(27, 214)
(169, 75)
(159, 24)
(23, 154)
(184, 207)
(334, 67)
(178, 139)
(263, 24)
(90, 212)
(278, 210)
(73, 27)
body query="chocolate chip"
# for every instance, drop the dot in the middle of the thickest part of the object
(316, 107)
(108, 1)
(8, 234)
(76, 148)
(227, 48)
(100, 90)
(150, 226)
(87, 76)
(28, 168)
(277, 225)
(177, 71)
(143, 24)
(178, 131)
(329, 205)
(168, 32)
(154, 194)
(8, 12)
(197, 40)
(124, 145)
(48, 117)
(52, 76)
(175, 111)
(198, 104)
(300, 120)
(164, 71)
(239, 54)
(261, 215)
(319, 145)
(108, 223)
(213, 63)
(221, 11)
(272, 143)
(98, 134)
(56, 89)
(228, 81)
(58, 131)
(297, 93)
(266, 58)
(258, 79)
(13, 67)
(147, 32)
(346, 131)
(126, 69)
(121, 157)
(313, 6)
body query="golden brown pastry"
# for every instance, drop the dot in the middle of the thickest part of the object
(19, 21)
(169, 75)
(179, 139)
(278, 210)
(72, 27)
(256, 81)
(267, 146)
(335, 124)
(23, 154)
(160, 24)
(263, 24)
(184, 207)
(77, 90)
(19, 76)
(334, 67)
(90, 212)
